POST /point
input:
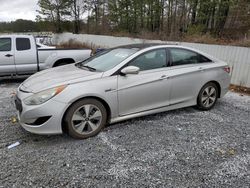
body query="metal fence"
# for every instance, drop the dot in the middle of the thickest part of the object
(238, 58)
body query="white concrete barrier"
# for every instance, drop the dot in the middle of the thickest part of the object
(238, 58)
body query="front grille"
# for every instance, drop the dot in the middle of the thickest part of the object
(18, 104)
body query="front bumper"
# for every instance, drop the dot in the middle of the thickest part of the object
(52, 109)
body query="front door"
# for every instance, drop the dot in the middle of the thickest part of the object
(149, 89)
(7, 63)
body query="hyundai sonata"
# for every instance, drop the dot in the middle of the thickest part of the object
(118, 84)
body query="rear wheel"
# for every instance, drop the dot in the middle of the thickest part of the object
(208, 96)
(85, 118)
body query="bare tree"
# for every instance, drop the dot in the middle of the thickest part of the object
(54, 10)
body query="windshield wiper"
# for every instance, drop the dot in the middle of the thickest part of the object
(87, 67)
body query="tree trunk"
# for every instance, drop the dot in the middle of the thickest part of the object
(76, 15)
(194, 10)
(58, 22)
(162, 15)
(222, 16)
(142, 14)
(170, 6)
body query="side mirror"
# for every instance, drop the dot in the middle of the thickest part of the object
(130, 70)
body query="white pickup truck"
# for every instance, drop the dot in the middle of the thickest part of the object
(20, 55)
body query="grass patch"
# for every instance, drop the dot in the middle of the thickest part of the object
(78, 45)
(240, 89)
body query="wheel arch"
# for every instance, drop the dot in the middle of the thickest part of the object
(214, 82)
(106, 105)
(67, 60)
(218, 86)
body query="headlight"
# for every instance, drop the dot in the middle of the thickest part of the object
(43, 96)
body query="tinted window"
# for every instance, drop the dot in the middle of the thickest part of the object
(151, 60)
(5, 44)
(22, 44)
(183, 57)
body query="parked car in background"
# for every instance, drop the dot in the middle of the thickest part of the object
(119, 84)
(20, 55)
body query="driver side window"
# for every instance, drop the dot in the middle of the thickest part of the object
(150, 60)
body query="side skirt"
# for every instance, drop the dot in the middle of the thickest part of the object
(154, 111)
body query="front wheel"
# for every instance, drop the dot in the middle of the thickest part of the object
(85, 118)
(208, 96)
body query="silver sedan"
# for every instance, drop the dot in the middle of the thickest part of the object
(119, 84)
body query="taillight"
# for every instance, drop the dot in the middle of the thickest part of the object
(227, 69)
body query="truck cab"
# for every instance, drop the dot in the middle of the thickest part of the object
(18, 55)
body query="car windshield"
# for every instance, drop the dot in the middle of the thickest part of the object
(107, 59)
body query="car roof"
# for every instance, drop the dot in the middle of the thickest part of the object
(141, 46)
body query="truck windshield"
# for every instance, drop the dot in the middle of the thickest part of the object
(107, 60)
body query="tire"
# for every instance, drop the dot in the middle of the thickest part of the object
(207, 97)
(85, 118)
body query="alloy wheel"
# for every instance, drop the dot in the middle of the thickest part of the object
(209, 96)
(86, 119)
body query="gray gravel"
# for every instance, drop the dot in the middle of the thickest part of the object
(180, 148)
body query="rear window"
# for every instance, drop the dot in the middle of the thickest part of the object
(22, 44)
(5, 44)
(183, 56)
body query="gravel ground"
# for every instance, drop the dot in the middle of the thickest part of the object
(180, 148)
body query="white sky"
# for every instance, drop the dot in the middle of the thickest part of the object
(11, 10)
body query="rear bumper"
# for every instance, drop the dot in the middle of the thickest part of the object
(224, 92)
(225, 84)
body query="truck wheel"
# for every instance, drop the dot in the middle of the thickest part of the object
(85, 118)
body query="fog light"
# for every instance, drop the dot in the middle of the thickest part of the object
(38, 121)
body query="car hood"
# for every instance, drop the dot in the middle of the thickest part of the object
(53, 77)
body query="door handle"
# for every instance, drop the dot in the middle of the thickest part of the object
(201, 69)
(8, 55)
(163, 77)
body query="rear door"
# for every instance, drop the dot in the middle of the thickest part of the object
(149, 89)
(25, 55)
(7, 63)
(188, 74)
